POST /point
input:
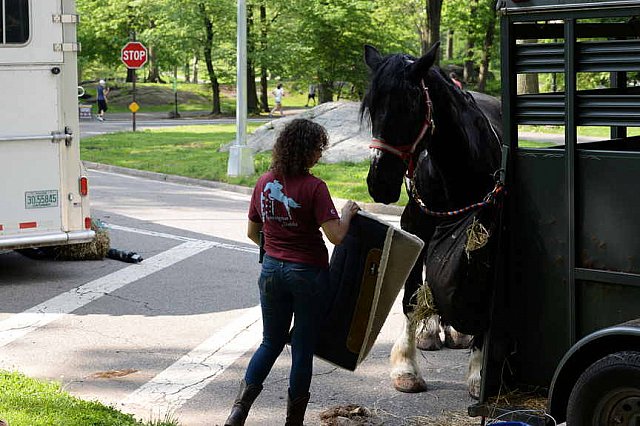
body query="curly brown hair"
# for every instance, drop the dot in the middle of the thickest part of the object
(297, 146)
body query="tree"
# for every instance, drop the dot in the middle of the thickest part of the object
(434, 14)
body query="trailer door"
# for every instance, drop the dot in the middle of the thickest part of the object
(32, 131)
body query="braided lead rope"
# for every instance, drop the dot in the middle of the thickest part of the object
(489, 199)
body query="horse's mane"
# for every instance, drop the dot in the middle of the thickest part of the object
(390, 78)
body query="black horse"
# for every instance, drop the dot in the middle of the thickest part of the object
(445, 142)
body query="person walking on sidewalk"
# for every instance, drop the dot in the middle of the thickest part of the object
(288, 207)
(278, 94)
(102, 91)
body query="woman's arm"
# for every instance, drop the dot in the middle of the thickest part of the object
(253, 231)
(336, 229)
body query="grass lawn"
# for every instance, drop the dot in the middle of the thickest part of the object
(602, 132)
(30, 402)
(194, 151)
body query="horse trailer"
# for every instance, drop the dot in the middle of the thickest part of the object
(566, 310)
(44, 190)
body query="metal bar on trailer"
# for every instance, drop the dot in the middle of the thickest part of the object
(608, 277)
(618, 80)
(571, 139)
(55, 137)
(548, 30)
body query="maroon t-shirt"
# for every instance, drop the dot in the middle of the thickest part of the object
(291, 211)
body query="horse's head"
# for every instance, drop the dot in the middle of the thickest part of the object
(413, 106)
(399, 113)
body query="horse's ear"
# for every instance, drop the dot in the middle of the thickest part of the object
(421, 66)
(372, 57)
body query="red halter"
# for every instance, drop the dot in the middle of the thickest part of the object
(406, 152)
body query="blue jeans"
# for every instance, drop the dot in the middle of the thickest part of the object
(289, 290)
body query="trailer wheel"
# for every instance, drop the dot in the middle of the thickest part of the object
(607, 393)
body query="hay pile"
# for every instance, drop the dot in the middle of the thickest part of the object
(93, 250)
(96, 249)
(349, 415)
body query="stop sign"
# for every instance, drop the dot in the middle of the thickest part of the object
(134, 55)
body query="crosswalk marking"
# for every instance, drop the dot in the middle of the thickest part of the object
(170, 389)
(19, 325)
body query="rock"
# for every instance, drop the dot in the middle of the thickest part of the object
(348, 139)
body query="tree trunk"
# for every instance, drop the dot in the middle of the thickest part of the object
(264, 84)
(434, 13)
(154, 72)
(187, 73)
(469, 74)
(252, 98)
(528, 83)
(215, 86)
(195, 69)
(325, 89)
(486, 49)
(449, 52)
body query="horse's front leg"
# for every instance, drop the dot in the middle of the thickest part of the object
(475, 367)
(405, 373)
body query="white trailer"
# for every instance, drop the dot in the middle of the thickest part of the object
(43, 186)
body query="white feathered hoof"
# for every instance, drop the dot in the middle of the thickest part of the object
(409, 383)
(429, 339)
(473, 375)
(456, 340)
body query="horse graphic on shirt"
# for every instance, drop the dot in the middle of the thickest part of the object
(273, 191)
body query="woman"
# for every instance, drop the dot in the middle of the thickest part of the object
(289, 206)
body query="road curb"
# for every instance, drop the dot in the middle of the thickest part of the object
(163, 177)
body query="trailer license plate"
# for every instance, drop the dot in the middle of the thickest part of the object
(41, 199)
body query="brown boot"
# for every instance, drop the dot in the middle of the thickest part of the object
(240, 410)
(296, 409)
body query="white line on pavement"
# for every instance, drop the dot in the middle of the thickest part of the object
(40, 315)
(173, 387)
(244, 249)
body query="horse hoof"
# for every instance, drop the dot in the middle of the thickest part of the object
(409, 383)
(474, 388)
(456, 340)
(429, 343)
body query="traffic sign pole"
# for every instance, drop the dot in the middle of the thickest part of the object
(134, 56)
(240, 155)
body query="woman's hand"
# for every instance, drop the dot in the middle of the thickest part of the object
(336, 229)
(349, 209)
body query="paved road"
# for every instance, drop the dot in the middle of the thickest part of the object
(119, 122)
(175, 332)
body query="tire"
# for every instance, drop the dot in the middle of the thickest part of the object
(607, 393)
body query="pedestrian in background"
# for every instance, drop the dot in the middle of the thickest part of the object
(311, 95)
(454, 77)
(288, 207)
(278, 94)
(102, 91)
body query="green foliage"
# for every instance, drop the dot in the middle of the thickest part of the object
(319, 41)
(28, 402)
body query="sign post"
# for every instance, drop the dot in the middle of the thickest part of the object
(134, 55)
(240, 155)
